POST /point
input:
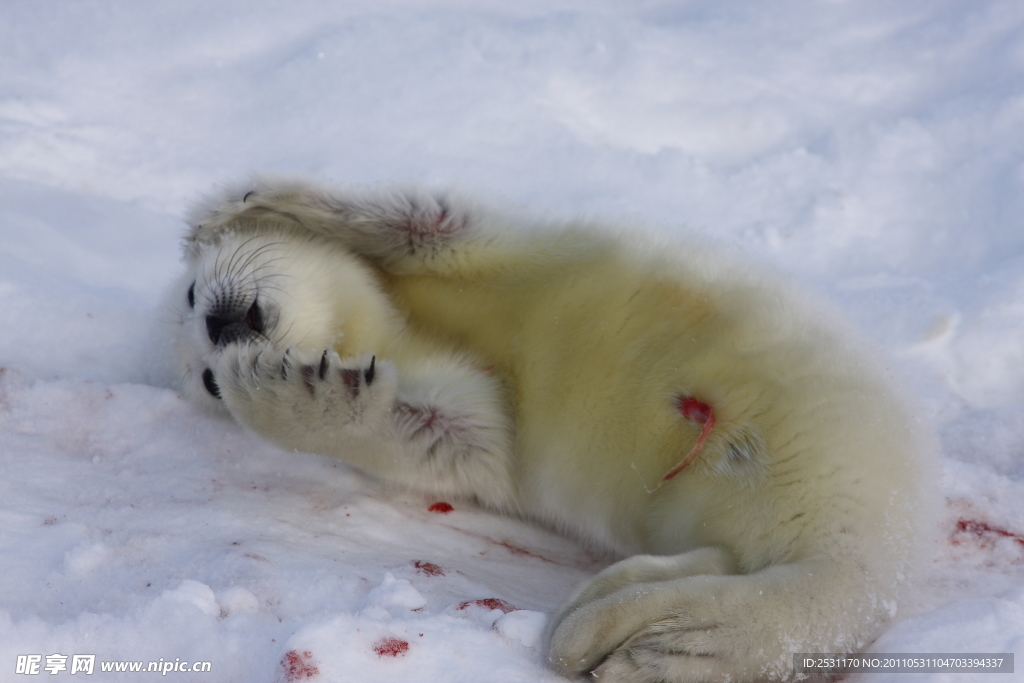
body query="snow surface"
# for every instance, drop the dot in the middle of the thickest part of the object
(875, 150)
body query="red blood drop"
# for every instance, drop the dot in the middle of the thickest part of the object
(489, 603)
(692, 409)
(979, 529)
(428, 568)
(390, 647)
(298, 666)
(441, 508)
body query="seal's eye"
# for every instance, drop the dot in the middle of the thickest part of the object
(192, 296)
(254, 317)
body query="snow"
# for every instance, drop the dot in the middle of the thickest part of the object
(871, 149)
(394, 594)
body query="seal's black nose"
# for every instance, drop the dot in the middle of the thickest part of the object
(224, 330)
(215, 327)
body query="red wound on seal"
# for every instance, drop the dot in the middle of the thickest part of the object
(692, 409)
(441, 508)
(698, 412)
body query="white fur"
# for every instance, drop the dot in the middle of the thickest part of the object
(541, 369)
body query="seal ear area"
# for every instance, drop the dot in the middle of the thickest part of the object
(232, 208)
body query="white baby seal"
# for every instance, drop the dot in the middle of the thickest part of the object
(695, 414)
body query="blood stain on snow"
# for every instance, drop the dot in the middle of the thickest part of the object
(516, 550)
(489, 603)
(983, 531)
(440, 508)
(428, 568)
(298, 666)
(390, 647)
